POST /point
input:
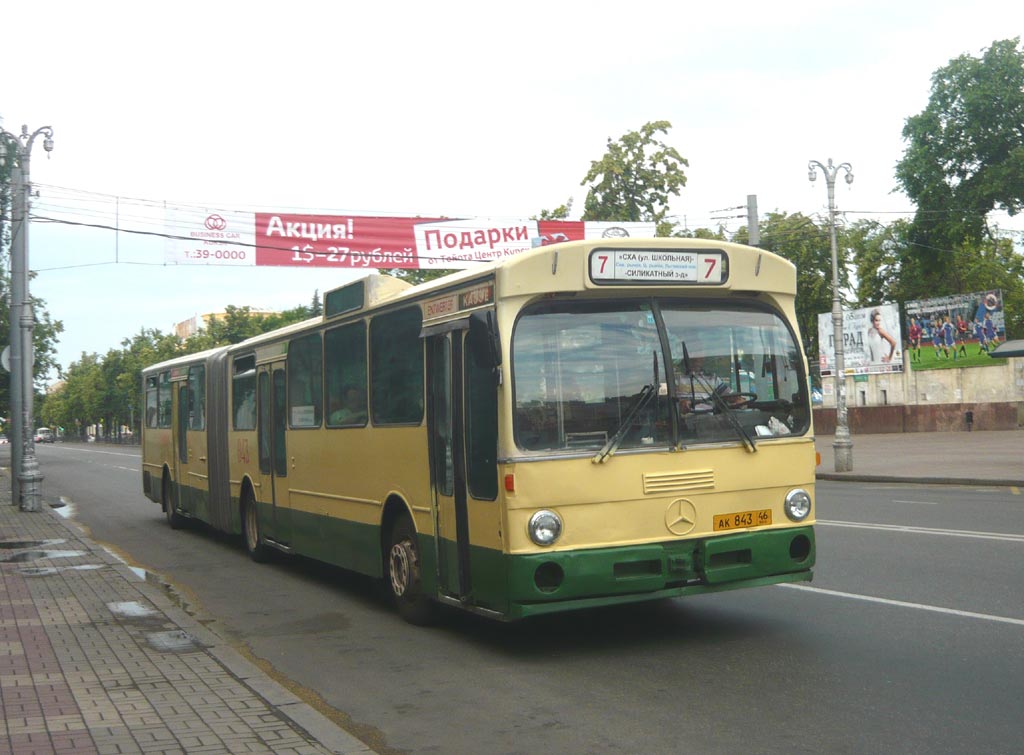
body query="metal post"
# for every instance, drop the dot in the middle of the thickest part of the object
(842, 444)
(753, 227)
(26, 478)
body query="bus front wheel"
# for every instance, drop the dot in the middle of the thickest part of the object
(258, 550)
(403, 574)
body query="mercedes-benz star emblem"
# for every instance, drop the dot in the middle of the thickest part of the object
(680, 516)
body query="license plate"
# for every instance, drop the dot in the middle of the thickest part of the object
(742, 519)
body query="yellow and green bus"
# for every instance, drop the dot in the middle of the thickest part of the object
(584, 424)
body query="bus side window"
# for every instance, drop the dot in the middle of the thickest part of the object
(152, 400)
(197, 397)
(165, 403)
(305, 381)
(243, 393)
(345, 375)
(396, 368)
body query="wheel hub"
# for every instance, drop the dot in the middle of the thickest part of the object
(403, 567)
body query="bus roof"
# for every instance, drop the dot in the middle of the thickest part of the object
(557, 267)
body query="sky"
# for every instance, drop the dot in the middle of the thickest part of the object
(445, 108)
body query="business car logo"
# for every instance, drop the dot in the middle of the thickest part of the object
(680, 516)
(215, 223)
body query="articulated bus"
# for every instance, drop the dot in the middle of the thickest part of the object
(583, 424)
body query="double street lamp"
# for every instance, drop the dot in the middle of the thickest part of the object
(26, 478)
(842, 445)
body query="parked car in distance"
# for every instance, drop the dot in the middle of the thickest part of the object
(3, 440)
(43, 435)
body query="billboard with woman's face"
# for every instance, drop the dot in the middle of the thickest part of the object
(872, 341)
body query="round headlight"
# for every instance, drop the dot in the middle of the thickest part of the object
(798, 504)
(545, 527)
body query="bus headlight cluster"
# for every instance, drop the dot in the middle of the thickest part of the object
(545, 527)
(798, 504)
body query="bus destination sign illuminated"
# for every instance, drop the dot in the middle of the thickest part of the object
(699, 266)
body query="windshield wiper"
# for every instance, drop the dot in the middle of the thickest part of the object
(646, 393)
(717, 398)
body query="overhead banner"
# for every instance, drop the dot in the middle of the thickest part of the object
(872, 341)
(197, 236)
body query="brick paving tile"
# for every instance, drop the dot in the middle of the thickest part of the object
(80, 672)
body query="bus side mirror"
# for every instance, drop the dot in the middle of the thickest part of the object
(484, 343)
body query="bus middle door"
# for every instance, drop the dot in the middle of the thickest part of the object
(448, 468)
(273, 452)
(193, 472)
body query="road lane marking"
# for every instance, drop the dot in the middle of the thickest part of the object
(907, 604)
(925, 503)
(925, 530)
(95, 451)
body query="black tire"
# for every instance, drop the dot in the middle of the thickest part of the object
(402, 574)
(176, 520)
(258, 550)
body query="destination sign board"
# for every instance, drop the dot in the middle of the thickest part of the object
(670, 266)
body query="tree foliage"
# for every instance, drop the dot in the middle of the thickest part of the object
(804, 243)
(107, 390)
(635, 178)
(965, 150)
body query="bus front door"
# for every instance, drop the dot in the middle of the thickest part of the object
(273, 452)
(448, 467)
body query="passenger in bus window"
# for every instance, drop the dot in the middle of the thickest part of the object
(352, 410)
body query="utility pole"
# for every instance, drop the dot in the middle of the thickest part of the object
(753, 228)
(26, 478)
(842, 444)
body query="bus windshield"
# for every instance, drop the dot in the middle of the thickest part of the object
(584, 373)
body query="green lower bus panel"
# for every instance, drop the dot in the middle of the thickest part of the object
(557, 581)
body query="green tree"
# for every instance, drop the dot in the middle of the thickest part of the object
(79, 401)
(883, 267)
(561, 212)
(797, 238)
(416, 276)
(635, 178)
(965, 150)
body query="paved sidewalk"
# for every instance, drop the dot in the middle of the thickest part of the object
(982, 457)
(94, 659)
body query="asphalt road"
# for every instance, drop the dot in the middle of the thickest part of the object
(910, 638)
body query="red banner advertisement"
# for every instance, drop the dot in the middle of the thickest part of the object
(337, 241)
(367, 242)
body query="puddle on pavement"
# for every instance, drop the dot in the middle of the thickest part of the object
(130, 609)
(39, 555)
(139, 616)
(174, 641)
(142, 574)
(17, 545)
(43, 571)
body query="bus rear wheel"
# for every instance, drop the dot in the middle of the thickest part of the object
(402, 573)
(258, 550)
(176, 520)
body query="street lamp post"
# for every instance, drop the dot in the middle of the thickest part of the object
(26, 478)
(842, 445)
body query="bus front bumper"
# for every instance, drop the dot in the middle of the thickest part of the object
(560, 581)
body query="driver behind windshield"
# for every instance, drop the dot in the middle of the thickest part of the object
(704, 376)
